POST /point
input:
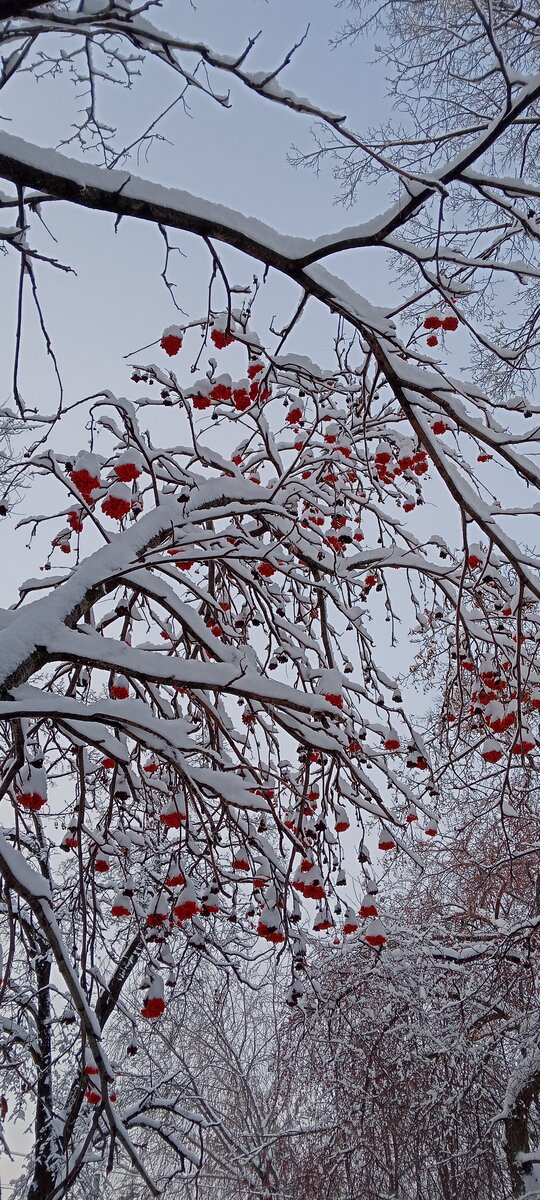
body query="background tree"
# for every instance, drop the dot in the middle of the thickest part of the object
(228, 1046)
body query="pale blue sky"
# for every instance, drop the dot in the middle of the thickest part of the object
(117, 302)
(238, 156)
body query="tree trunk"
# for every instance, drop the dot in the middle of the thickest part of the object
(43, 1181)
(516, 1138)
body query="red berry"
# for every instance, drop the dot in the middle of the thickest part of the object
(171, 344)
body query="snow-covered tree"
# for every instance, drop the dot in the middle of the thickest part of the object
(197, 699)
(225, 1043)
(425, 1062)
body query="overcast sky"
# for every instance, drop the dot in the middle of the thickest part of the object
(237, 156)
(116, 300)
